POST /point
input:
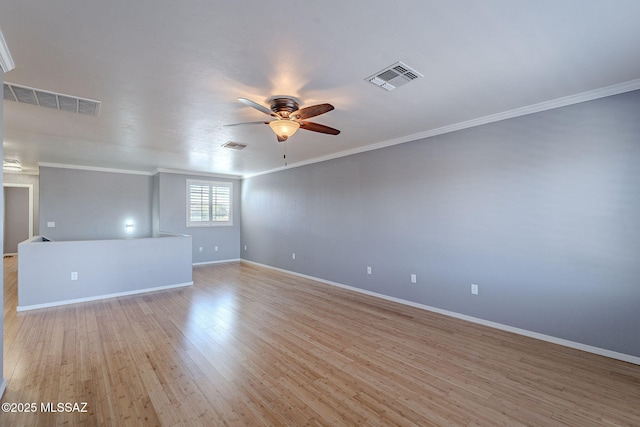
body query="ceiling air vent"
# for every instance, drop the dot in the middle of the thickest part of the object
(234, 145)
(394, 76)
(43, 98)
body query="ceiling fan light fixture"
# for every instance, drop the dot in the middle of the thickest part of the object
(284, 128)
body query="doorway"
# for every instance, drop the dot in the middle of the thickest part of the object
(18, 215)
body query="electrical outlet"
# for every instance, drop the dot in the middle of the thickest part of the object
(293, 255)
(368, 270)
(414, 279)
(245, 247)
(474, 289)
(74, 275)
(200, 249)
(51, 224)
(215, 248)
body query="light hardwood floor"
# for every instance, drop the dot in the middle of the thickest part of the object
(249, 346)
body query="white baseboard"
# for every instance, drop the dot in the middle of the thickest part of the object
(216, 262)
(101, 297)
(560, 341)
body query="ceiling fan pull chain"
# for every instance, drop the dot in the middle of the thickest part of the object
(284, 147)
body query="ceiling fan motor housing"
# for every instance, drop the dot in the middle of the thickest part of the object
(284, 106)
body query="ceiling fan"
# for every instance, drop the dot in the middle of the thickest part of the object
(289, 117)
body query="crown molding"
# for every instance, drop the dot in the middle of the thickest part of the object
(94, 169)
(134, 172)
(517, 112)
(6, 62)
(195, 173)
(22, 172)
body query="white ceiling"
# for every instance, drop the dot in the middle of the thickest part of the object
(168, 73)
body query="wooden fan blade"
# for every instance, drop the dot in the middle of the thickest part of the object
(314, 110)
(316, 127)
(247, 123)
(257, 106)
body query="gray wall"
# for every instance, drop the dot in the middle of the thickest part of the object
(93, 205)
(540, 211)
(16, 217)
(155, 204)
(33, 180)
(89, 205)
(104, 267)
(173, 218)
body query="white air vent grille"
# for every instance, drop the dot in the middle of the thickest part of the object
(394, 76)
(43, 98)
(234, 145)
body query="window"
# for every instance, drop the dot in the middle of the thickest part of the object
(209, 203)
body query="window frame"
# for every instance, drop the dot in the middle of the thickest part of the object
(211, 185)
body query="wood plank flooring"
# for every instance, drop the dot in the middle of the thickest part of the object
(247, 346)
